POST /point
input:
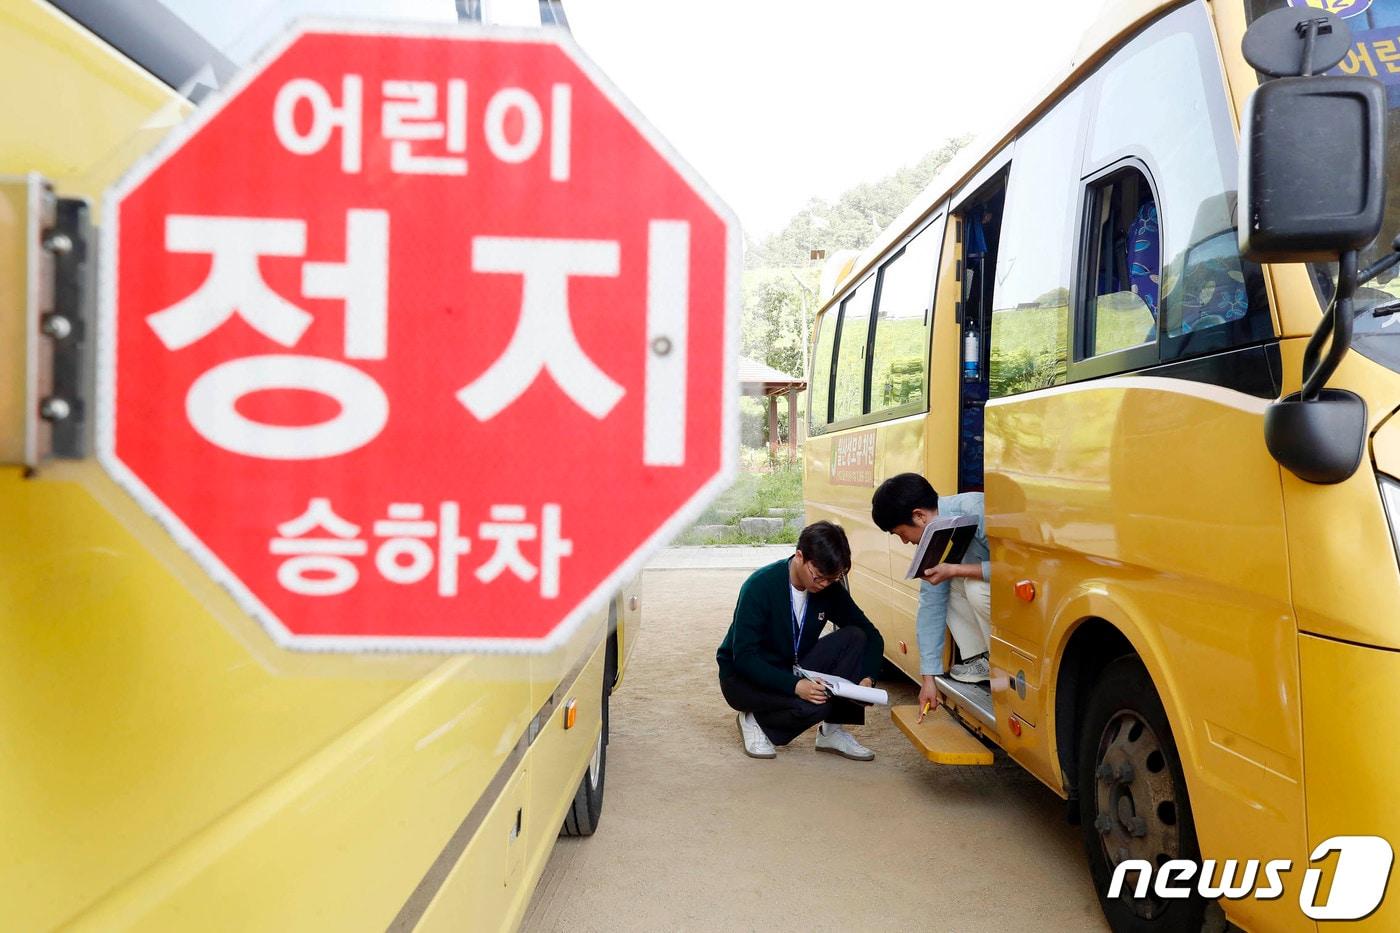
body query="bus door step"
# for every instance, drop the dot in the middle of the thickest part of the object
(971, 699)
(940, 737)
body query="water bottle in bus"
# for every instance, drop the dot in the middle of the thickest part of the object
(972, 356)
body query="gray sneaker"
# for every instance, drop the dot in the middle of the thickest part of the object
(756, 743)
(834, 739)
(972, 671)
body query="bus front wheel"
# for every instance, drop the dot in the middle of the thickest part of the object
(1132, 801)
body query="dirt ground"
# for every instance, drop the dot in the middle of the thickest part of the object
(696, 836)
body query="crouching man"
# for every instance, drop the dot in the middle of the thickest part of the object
(777, 626)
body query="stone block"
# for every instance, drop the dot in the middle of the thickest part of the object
(717, 533)
(760, 526)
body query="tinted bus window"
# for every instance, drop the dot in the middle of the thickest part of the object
(1030, 313)
(1210, 298)
(849, 398)
(1122, 288)
(899, 366)
(1374, 28)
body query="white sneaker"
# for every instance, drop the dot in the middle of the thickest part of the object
(756, 744)
(972, 671)
(832, 738)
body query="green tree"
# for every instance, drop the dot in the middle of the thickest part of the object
(780, 284)
(776, 301)
(855, 218)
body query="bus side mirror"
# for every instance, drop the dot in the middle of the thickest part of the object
(1312, 168)
(1312, 189)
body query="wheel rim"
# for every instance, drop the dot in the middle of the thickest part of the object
(1136, 803)
(595, 765)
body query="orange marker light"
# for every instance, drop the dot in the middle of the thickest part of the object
(1025, 590)
(570, 714)
(903, 647)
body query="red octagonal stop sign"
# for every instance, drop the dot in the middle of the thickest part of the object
(418, 339)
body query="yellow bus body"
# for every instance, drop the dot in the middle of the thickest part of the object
(1263, 607)
(162, 766)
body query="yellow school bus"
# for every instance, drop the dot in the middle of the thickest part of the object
(162, 765)
(1192, 644)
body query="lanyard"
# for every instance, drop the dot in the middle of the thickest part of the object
(797, 624)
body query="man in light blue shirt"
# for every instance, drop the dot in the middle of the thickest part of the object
(951, 596)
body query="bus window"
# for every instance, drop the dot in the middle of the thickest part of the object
(899, 367)
(820, 397)
(849, 392)
(1210, 298)
(1122, 288)
(1373, 28)
(1030, 316)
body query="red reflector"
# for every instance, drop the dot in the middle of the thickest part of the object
(903, 647)
(1015, 726)
(1025, 590)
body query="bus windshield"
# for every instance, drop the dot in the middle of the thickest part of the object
(1374, 24)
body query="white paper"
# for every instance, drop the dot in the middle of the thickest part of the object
(842, 687)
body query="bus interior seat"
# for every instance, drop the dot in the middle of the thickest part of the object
(1144, 260)
(1130, 249)
(1213, 287)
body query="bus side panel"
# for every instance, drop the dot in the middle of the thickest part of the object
(491, 885)
(481, 892)
(1351, 762)
(1157, 494)
(131, 720)
(923, 443)
(843, 497)
(629, 623)
(900, 449)
(1339, 539)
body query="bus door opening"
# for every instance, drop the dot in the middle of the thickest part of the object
(981, 231)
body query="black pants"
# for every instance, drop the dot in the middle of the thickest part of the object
(785, 716)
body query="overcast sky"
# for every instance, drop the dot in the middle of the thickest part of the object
(773, 101)
(777, 101)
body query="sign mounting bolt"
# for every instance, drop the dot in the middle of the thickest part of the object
(56, 326)
(54, 408)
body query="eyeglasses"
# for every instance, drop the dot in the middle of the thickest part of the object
(819, 579)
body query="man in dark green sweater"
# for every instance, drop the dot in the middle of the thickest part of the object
(777, 626)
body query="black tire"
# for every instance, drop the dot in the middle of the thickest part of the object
(1140, 813)
(583, 814)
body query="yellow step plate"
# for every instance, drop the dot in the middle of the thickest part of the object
(942, 740)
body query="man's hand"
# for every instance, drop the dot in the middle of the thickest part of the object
(867, 682)
(928, 693)
(811, 691)
(943, 572)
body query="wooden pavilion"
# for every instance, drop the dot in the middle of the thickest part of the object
(758, 380)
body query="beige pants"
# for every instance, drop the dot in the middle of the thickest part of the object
(970, 615)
